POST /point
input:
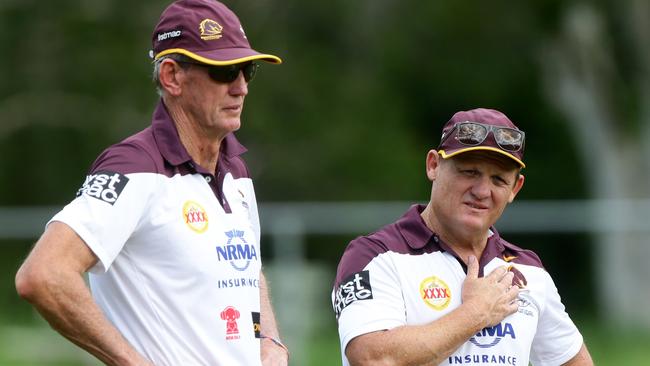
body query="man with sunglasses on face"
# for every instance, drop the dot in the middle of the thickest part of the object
(440, 286)
(166, 222)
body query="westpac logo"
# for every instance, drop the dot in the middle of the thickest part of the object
(491, 336)
(237, 251)
(435, 293)
(195, 217)
(104, 185)
(352, 288)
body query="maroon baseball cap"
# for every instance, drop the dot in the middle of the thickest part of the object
(482, 137)
(206, 31)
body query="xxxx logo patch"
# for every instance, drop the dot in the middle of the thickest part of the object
(435, 293)
(195, 217)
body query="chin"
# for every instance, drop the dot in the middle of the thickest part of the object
(233, 125)
(475, 224)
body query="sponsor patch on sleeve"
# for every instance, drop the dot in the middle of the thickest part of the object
(354, 287)
(256, 324)
(105, 186)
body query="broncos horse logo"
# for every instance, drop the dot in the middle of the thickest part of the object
(210, 29)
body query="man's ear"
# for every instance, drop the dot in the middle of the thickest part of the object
(170, 76)
(432, 164)
(518, 184)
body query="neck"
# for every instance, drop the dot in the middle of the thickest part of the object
(202, 145)
(463, 242)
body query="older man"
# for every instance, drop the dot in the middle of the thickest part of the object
(166, 221)
(440, 286)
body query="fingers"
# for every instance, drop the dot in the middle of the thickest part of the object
(507, 278)
(501, 275)
(472, 267)
(512, 296)
(512, 293)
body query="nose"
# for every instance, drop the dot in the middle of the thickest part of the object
(239, 87)
(481, 188)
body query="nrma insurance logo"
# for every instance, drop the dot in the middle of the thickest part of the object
(237, 251)
(491, 336)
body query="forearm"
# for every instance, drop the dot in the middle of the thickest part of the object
(582, 358)
(428, 344)
(66, 303)
(268, 324)
(52, 280)
(273, 351)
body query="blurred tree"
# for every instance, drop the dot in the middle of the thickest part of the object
(597, 72)
(362, 95)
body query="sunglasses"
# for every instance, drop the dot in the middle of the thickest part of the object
(228, 73)
(474, 133)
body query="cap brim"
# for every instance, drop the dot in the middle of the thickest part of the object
(446, 155)
(223, 57)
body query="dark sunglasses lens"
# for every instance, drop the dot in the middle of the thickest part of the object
(230, 73)
(471, 133)
(509, 139)
(224, 74)
(249, 70)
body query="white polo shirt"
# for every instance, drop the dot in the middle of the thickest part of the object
(404, 274)
(178, 248)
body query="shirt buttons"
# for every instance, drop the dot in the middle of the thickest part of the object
(208, 179)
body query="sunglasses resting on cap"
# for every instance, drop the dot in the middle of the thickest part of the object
(482, 129)
(474, 133)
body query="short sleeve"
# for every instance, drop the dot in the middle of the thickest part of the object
(557, 339)
(369, 299)
(110, 203)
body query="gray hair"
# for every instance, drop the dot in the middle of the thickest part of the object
(180, 58)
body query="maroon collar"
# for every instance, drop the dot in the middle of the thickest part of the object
(418, 235)
(169, 143)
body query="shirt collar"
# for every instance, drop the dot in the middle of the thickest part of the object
(169, 143)
(418, 235)
(413, 229)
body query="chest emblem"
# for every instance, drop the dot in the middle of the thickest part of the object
(237, 251)
(195, 217)
(491, 336)
(435, 293)
(230, 315)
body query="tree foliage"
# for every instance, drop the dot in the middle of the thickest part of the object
(361, 96)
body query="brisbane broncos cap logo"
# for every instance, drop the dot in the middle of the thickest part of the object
(210, 29)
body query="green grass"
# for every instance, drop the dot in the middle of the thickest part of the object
(610, 347)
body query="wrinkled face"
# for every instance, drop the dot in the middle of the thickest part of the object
(215, 106)
(471, 190)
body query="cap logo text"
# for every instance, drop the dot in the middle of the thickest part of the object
(210, 29)
(169, 34)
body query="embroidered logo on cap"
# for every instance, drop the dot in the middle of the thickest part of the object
(195, 216)
(210, 29)
(435, 293)
(169, 34)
